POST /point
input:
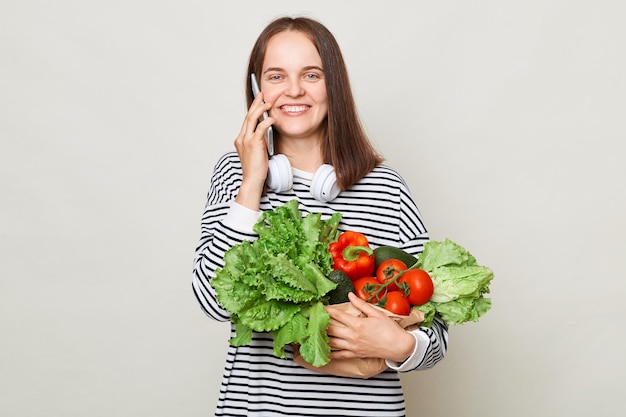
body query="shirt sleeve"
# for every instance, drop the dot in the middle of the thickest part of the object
(241, 218)
(430, 348)
(224, 224)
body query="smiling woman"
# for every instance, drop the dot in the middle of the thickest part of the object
(305, 89)
(353, 158)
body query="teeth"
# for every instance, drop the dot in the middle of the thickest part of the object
(295, 109)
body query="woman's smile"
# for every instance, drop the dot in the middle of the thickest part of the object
(294, 110)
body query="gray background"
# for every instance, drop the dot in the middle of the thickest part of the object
(506, 119)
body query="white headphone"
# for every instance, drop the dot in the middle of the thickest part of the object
(280, 178)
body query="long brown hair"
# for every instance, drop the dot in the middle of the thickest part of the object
(345, 145)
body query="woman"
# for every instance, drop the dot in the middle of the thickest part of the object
(306, 91)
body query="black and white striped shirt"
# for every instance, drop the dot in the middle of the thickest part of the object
(255, 382)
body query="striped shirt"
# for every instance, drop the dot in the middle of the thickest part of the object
(257, 383)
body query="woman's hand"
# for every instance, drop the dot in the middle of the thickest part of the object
(252, 149)
(374, 336)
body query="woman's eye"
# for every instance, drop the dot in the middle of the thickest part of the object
(313, 77)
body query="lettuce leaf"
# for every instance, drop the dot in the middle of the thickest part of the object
(460, 283)
(276, 283)
(295, 331)
(315, 349)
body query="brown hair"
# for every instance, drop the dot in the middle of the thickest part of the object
(345, 145)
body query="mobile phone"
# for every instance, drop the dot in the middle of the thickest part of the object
(269, 133)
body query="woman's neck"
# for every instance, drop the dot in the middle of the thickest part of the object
(304, 155)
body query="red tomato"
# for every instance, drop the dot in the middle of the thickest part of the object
(388, 269)
(397, 303)
(365, 288)
(420, 286)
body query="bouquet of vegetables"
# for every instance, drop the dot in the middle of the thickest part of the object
(280, 282)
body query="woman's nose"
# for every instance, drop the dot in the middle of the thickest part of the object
(295, 88)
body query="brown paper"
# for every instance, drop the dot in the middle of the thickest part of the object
(358, 367)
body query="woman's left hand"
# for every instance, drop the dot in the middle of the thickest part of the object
(374, 336)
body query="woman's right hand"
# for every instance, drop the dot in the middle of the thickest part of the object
(252, 149)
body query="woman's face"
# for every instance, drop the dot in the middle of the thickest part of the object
(293, 81)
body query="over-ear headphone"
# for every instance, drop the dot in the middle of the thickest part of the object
(280, 178)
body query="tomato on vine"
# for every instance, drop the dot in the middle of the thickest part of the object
(418, 284)
(397, 303)
(366, 288)
(387, 270)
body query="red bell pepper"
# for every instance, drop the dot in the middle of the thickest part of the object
(352, 254)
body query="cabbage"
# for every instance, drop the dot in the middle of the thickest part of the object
(460, 283)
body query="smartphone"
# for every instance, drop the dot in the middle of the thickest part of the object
(269, 133)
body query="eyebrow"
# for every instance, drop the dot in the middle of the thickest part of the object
(307, 68)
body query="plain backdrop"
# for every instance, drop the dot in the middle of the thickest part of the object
(506, 118)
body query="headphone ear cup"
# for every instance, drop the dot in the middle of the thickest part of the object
(279, 173)
(324, 184)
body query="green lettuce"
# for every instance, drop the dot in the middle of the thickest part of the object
(460, 283)
(276, 283)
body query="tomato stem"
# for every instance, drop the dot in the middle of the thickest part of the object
(378, 288)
